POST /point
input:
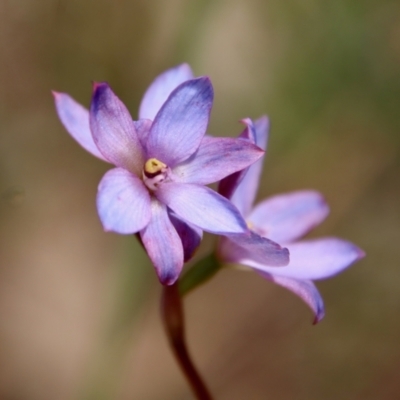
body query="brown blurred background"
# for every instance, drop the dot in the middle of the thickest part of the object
(79, 308)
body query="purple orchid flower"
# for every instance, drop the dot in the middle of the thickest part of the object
(162, 161)
(285, 218)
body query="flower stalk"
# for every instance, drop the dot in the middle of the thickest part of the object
(173, 319)
(199, 274)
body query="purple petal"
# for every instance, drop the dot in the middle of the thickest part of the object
(306, 290)
(75, 119)
(244, 246)
(163, 244)
(180, 125)
(228, 185)
(286, 217)
(123, 202)
(314, 259)
(142, 128)
(190, 236)
(261, 126)
(113, 130)
(161, 88)
(202, 207)
(244, 195)
(242, 187)
(215, 159)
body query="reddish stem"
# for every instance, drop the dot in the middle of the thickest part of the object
(173, 318)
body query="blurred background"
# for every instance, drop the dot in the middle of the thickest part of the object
(79, 308)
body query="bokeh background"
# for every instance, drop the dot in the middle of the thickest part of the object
(79, 308)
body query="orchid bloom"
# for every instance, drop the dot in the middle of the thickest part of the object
(285, 218)
(162, 162)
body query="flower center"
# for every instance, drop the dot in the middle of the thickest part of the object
(154, 173)
(153, 167)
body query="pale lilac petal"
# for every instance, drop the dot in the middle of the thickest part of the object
(202, 207)
(215, 159)
(75, 119)
(261, 126)
(123, 202)
(161, 88)
(314, 259)
(180, 125)
(305, 289)
(113, 130)
(242, 187)
(190, 236)
(142, 128)
(286, 217)
(163, 244)
(228, 185)
(243, 246)
(244, 195)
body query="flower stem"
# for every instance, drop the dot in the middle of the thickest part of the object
(199, 273)
(173, 318)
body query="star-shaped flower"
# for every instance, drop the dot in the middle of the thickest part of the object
(162, 161)
(285, 218)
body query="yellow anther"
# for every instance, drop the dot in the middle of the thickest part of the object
(153, 166)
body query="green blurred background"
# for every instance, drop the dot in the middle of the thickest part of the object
(79, 313)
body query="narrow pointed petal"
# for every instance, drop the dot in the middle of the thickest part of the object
(113, 130)
(202, 207)
(229, 184)
(242, 186)
(75, 119)
(305, 289)
(180, 125)
(163, 244)
(190, 236)
(286, 217)
(244, 195)
(243, 246)
(314, 259)
(123, 202)
(261, 126)
(142, 128)
(215, 159)
(161, 88)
